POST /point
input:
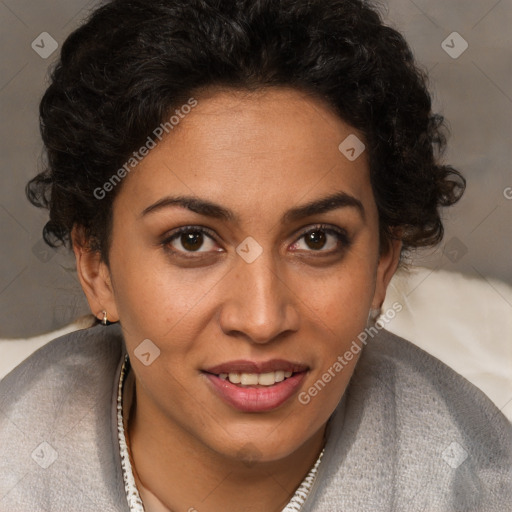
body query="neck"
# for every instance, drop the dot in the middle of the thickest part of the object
(184, 474)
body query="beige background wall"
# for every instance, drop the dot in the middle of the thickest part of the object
(473, 90)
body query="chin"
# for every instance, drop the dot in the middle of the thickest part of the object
(251, 448)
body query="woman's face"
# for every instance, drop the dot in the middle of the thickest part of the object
(270, 277)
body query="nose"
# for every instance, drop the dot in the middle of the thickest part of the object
(258, 304)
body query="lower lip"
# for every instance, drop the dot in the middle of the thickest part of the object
(260, 399)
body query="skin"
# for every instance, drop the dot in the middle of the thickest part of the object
(258, 154)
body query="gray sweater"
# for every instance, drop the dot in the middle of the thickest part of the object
(410, 434)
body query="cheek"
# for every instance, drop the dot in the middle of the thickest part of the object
(341, 317)
(155, 298)
(341, 304)
(343, 298)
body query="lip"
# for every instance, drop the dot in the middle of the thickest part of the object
(252, 399)
(244, 366)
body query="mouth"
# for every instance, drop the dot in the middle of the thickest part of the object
(256, 387)
(256, 379)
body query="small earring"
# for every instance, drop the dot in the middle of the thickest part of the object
(373, 314)
(104, 321)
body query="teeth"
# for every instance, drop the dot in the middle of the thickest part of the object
(279, 376)
(266, 379)
(235, 378)
(254, 379)
(249, 379)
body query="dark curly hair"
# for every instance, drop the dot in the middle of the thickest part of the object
(134, 61)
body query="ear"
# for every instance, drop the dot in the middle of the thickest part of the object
(388, 263)
(94, 276)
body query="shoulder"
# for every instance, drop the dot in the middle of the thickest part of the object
(68, 365)
(412, 378)
(412, 430)
(56, 424)
(72, 348)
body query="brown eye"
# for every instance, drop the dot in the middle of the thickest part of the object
(315, 239)
(322, 239)
(192, 241)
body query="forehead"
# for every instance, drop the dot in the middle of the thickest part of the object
(250, 150)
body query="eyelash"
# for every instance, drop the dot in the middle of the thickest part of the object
(340, 234)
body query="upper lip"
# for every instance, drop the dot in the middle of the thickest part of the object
(243, 366)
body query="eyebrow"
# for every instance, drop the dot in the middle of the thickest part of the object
(216, 211)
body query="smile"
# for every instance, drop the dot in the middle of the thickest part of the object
(255, 379)
(256, 387)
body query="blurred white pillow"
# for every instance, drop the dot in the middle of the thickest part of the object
(466, 322)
